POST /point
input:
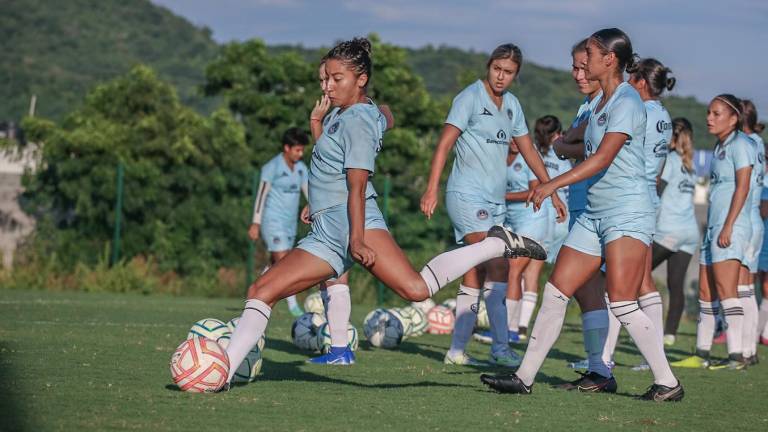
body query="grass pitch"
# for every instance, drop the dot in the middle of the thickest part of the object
(80, 362)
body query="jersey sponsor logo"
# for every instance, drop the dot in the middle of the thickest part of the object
(588, 146)
(662, 126)
(482, 214)
(486, 112)
(517, 166)
(686, 187)
(334, 127)
(714, 178)
(660, 149)
(550, 164)
(602, 119)
(510, 114)
(501, 138)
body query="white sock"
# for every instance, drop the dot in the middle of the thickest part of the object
(734, 316)
(762, 328)
(550, 320)
(595, 331)
(253, 322)
(494, 294)
(612, 338)
(644, 334)
(451, 265)
(466, 316)
(526, 310)
(705, 330)
(513, 314)
(746, 296)
(653, 306)
(339, 309)
(291, 301)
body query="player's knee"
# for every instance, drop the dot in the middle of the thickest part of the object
(415, 290)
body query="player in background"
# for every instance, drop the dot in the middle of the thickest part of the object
(650, 80)
(746, 287)
(726, 240)
(617, 224)
(483, 118)
(276, 210)
(335, 293)
(591, 296)
(762, 326)
(347, 225)
(677, 236)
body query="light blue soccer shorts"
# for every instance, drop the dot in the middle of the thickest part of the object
(470, 214)
(277, 239)
(763, 261)
(590, 235)
(534, 227)
(755, 245)
(559, 232)
(712, 253)
(328, 238)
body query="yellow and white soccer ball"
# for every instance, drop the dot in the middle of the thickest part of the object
(314, 303)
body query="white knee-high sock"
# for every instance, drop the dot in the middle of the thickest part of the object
(451, 265)
(705, 329)
(595, 331)
(762, 328)
(734, 316)
(644, 334)
(546, 330)
(339, 309)
(253, 322)
(494, 294)
(513, 314)
(466, 316)
(746, 296)
(653, 306)
(526, 310)
(612, 338)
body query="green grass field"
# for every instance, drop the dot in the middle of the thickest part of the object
(81, 362)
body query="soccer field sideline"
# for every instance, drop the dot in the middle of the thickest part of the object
(78, 361)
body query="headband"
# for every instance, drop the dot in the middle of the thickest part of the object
(724, 100)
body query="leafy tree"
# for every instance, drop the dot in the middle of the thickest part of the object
(186, 177)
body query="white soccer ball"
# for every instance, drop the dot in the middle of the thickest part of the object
(425, 305)
(441, 320)
(199, 365)
(324, 338)
(233, 323)
(314, 303)
(209, 328)
(417, 320)
(249, 368)
(450, 304)
(482, 315)
(383, 329)
(224, 341)
(304, 331)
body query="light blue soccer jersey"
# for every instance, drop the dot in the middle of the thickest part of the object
(555, 167)
(519, 176)
(658, 134)
(758, 176)
(577, 192)
(351, 139)
(676, 226)
(482, 147)
(281, 209)
(728, 157)
(621, 188)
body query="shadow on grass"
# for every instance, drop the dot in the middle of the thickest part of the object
(14, 416)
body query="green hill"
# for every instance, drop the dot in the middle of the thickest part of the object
(58, 50)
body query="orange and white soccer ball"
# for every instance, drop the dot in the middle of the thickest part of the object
(199, 365)
(440, 320)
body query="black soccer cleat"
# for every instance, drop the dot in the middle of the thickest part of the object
(591, 382)
(660, 393)
(517, 246)
(506, 384)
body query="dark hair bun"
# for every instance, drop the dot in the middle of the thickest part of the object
(670, 82)
(362, 43)
(633, 64)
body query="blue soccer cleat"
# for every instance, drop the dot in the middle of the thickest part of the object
(336, 356)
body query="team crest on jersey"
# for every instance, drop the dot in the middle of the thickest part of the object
(509, 114)
(486, 112)
(334, 127)
(602, 119)
(482, 214)
(517, 167)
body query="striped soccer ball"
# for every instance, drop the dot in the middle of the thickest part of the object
(249, 368)
(314, 303)
(441, 320)
(304, 331)
(416, 318)
(324, 338)
(199, 365)
(208, 328)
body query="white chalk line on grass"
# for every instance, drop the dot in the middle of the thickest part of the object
(101, 324)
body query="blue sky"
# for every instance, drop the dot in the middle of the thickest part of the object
(713, 46)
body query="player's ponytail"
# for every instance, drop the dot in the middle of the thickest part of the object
(749, 117)
(655, 75)
(682, 141)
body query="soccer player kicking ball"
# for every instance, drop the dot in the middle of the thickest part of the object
(347, 225)
(618, 226)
